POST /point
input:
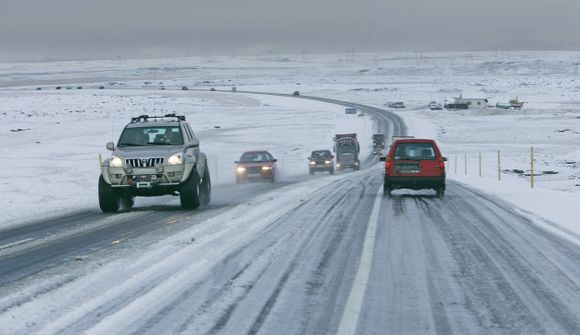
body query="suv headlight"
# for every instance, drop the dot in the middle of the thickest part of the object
(116, 162)
(175, 159)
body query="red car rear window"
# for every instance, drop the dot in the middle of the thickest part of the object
(421, 151)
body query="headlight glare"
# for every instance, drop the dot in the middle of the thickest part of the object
(175, 159)
(116, 161)
(312, 163)
(266, 168)
(241, 169)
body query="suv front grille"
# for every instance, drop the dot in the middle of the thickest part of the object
(143, 162)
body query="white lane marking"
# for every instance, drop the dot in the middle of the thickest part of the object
(13, 244)
(351, 313)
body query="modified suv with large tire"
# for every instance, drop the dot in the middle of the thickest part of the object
(155, 155)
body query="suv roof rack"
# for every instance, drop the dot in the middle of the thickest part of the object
(145, 118)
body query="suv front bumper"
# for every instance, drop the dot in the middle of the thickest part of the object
(170, 175)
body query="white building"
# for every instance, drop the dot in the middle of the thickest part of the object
(472, 102)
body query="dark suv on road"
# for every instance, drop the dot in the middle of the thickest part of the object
(321, 160)
(414, 164)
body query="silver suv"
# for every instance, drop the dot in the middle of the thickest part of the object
(155, 155)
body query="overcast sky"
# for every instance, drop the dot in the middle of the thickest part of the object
(317, 25)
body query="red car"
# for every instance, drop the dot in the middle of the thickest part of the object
(256, 165)
(414, 164)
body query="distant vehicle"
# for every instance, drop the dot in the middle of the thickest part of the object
(79, 87)
(101, 87)
(162, 88)
(434, 106)
(350, 110)
(516, 103)
(456, 106)
(347, 149)
(69, 87)
(155, 155)
(184, 88)
(414, 164)
(321, 160)
(256, 165)
(234, 89)
(39, 88)
(378, 144)
(296, 93)
(398, 104)
(502, 106)
(58, 87)
(212, 89)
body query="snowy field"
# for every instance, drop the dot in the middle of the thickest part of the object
(52, 137)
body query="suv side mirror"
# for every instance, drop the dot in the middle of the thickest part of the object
(236, 162)
(274, 160)
(194, 143)
(110, 146)
(445, 159)
(308, 158)
(383, 159)
(332, 157)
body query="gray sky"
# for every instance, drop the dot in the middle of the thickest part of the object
(317, 25)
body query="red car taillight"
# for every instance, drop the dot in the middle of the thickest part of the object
(388, 163)
(441, 163)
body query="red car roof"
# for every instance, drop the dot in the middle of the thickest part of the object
(415, 140)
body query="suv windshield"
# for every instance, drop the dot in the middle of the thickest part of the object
(415, 151)
(253, 157)
(320, 154)
(158, 135)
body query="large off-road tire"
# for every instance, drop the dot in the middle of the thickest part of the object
(311, 172)
(331, 171)
(109, 200)
(189, 192)
(205, 188)
(127, 201)
(440, 191)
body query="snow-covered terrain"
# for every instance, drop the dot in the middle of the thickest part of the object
(54, 138)
(489, 257)
(37, 126)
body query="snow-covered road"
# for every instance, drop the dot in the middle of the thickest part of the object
(284, 258)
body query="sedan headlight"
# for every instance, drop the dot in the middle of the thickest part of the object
(116, 162)
(241, 169)
(327, 162)
(266, 168)
(312, 163)
(175, 159)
